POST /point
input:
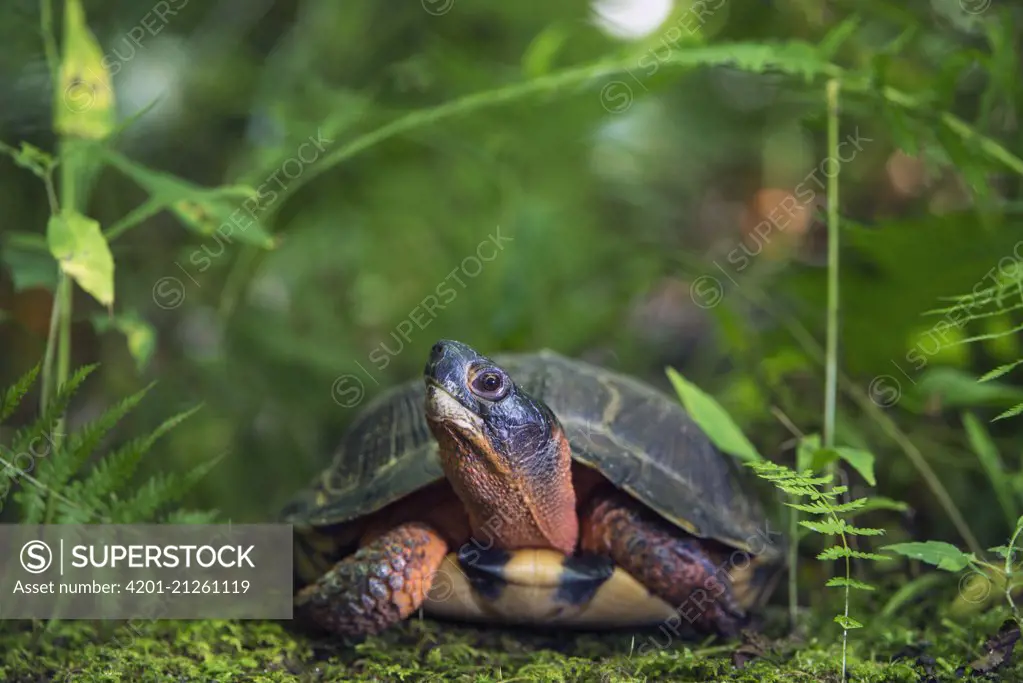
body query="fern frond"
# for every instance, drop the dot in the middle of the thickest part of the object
(862, 531)
(1011, 412)
(80, 446)
(114, 471)
(1000, 371)
(25, 438)
(157, 493)
(838, 552)
(827, 527)
(847, 622)
(824, 508)
(12, 397)
(848, 583)
(811, 508)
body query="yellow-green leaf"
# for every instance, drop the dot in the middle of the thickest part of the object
(713, 419)
(82, 252)
(84, 101)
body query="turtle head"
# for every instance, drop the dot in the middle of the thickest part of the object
(503, 451)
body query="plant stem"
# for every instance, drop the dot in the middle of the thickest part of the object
(1008, 574)
(793, 566)
(848, 577)
(831, 348)
(831, 351)
(62, 319)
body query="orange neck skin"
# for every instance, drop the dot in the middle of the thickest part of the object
(527, 502)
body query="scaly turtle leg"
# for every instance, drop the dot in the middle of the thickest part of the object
(384, 582)
(679, 568)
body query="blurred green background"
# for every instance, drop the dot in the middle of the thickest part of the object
(629, 212)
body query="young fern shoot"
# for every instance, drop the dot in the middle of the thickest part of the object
(822, 502)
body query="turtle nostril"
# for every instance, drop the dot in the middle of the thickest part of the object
(437, 351)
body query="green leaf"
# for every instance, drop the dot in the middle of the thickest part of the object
(828, 527)
(84, 101)
(1000, 370)
(863, 531)
(139, 334)
(847, 622)
(860, 460)
(12, 397)
(83, 254)
(1002, 551)
(879, 503)
(938, 553)
(1011, 412)
(713, 419)
(836, 552)
(851, 583)
(987, 453)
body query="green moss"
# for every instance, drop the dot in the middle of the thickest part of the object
(426, 650)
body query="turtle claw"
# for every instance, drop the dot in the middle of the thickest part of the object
(678, 568)
(383, 583)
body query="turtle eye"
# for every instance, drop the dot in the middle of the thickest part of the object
(491, 385)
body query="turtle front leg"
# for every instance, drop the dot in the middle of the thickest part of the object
(384, 582)
(678, 568)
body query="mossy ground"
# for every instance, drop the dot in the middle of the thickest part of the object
(433, 651)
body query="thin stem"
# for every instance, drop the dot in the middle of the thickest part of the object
(63, 304)
(848, 577)
(793, 566)
(51, 347)
(51, 336)
(831, 367)
(1008, 573)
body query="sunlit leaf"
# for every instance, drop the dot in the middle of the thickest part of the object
(77, 243)
(713, 419)
(84, 101)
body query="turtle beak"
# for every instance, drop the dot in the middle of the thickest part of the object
(448, 369)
